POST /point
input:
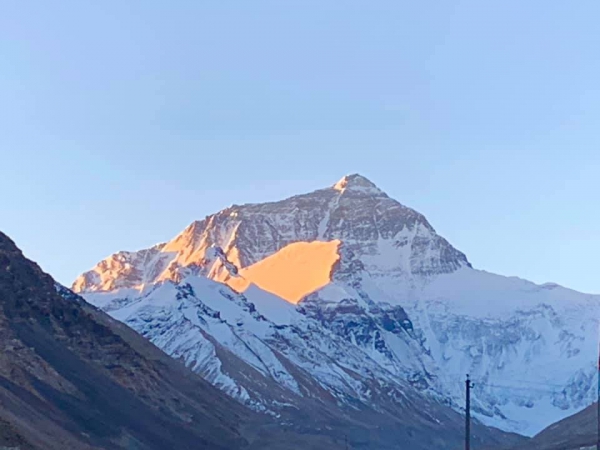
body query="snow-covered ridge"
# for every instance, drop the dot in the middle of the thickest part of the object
(398, 294)
(197, 319)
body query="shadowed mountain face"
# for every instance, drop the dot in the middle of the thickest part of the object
(71, 377)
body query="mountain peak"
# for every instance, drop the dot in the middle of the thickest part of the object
(354, 211)
(356, 182)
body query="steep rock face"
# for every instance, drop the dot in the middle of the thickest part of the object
(353, 211)
(400, 294)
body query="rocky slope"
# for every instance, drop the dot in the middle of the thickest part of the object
(395, 295)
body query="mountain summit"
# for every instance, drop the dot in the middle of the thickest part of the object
(346, 280)
(357, 183)
(354, 212)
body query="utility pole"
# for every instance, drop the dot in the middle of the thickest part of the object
(470, 385)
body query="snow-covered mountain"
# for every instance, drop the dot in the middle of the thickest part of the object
(346, 292)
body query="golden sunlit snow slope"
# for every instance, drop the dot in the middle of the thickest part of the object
(293, 272)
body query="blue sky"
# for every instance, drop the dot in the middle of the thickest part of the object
(121, 122)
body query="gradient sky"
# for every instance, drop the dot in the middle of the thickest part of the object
(121, 122)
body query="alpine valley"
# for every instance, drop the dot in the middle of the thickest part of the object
(346, 301)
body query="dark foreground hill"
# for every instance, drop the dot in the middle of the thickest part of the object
(578, 432)
(72, 378)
